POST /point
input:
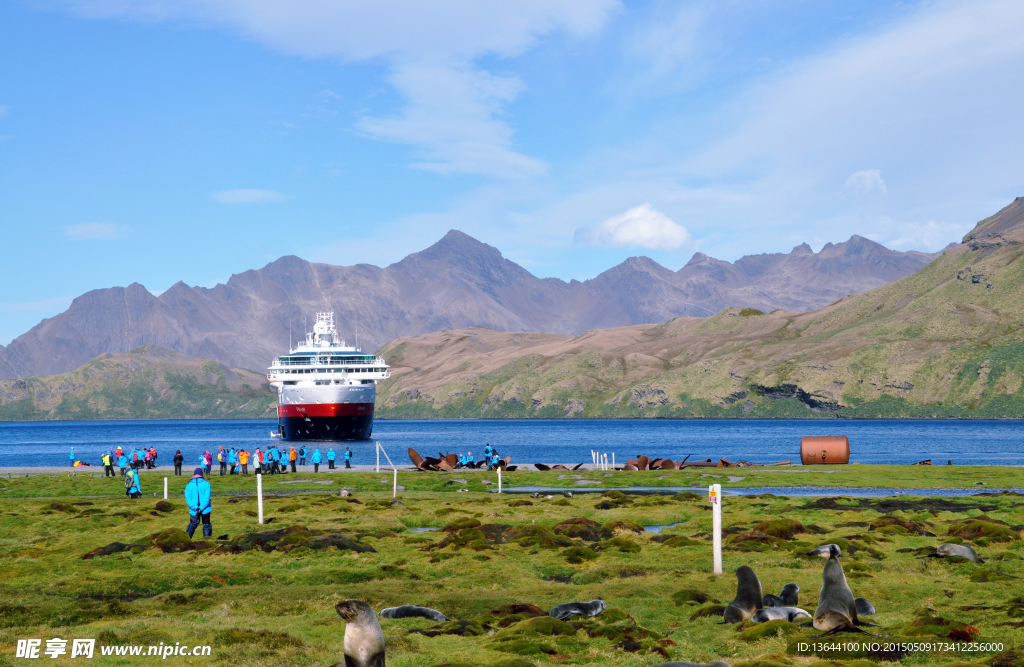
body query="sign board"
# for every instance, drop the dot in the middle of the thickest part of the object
(713, 493)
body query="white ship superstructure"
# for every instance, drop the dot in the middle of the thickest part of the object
(325, 388)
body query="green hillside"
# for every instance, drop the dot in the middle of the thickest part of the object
(147, 383)
(947, 341)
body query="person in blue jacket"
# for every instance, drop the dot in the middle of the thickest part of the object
(122, 463)
(133, 486)
(469, 460)
(487, 452)
(302, 455)
(348, 457)
(197, 497)
(72, 455)
(330, 459)
(316, 460)
(232, 461)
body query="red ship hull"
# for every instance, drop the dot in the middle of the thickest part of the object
(326, 421)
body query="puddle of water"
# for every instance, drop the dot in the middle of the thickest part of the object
(658, 529)
(855, 492)
(422, 530)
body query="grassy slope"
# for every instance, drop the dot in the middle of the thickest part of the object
(150, 597)
(934, 344)
(147, 383)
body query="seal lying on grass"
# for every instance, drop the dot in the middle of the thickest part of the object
(364, 640)
(413, 610)
(957, 551)
(748, 596)
(790, 614)
(564, 612)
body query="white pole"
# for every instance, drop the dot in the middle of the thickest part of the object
(715, 496)
(165, 488)
(613, 460)
(259, 495)
(395, 488)
(606, 461)
(499, 480)
(378, 456)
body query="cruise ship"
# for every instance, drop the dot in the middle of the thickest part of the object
(325, 388)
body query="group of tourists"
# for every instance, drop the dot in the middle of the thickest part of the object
(125, 460)
(490, 459)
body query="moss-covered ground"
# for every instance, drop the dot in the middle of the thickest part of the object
(269, 599)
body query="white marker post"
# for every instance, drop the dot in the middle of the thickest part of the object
(499, 480)
(165, 488)
(394, 489)
(715, 496)
(259, 496)
(378, 456)
(613, 460)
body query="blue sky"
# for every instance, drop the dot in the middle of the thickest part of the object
(154, 141)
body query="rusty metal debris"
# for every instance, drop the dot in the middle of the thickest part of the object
(448, 462)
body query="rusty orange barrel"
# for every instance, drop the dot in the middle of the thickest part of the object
(826, 449)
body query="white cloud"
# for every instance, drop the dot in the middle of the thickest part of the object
(95, 231)
(452, 121)
(867, 181)
(928, 236)
(438, 41)
(247, 196)
(642, 226)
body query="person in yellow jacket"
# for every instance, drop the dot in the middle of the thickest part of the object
(243, 460)
(293, 456)
(108, 465)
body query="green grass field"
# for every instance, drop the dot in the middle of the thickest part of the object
(269, 600)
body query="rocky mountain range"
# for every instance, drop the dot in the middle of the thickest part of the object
(947, 341)
(457, 282)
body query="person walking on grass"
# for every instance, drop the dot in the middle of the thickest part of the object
(108, 464)
(316, 460)
(178, 460)
(132, 484)
(197, 497)
(330, 459)
(348, 457)
(243, 460)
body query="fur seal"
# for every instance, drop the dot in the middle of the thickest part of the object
(748, 596)
(836, 608)
(413, 610)
(564, 612)
(864, 608)
(364, 640)
(787, 598)
(790, 614)
(957, 551)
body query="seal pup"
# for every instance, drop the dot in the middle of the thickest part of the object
(748, 597)
(564, 612)
(957, 551)
(787, 598)
(864, 608)
(364, 640)
(836, 610)
(411, 611)
(790, 614)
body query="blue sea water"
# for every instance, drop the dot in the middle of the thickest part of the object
(545, 441)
